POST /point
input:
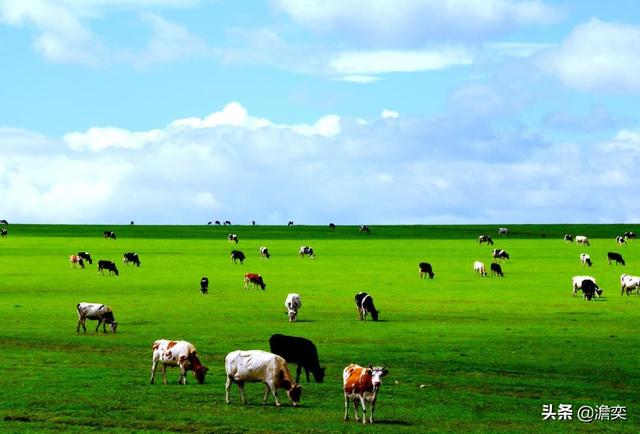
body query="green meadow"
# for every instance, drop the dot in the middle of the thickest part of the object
(465, 353)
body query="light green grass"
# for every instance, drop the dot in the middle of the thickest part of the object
(488, 352)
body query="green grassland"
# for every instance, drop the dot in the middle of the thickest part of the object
(465, 354)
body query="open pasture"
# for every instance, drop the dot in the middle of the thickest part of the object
(464, 353)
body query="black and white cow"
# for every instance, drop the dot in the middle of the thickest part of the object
(232, 238)
(204, 285)
(217, 222)
(425, 269)
(3, 233)
(86, 256)
(290, 223)
(498, 254)
(107, 265)
(300, 351)
(581, 239)
(264, 252)
(590, 289)
(101, 312)
(629, 235)
(612, 256)
(4, 222)
(629, 284)
(227, 223)
(365, 229)
(131, 257)
(293, 303)
(332, 226)
(109, 234)
(306, 251)
(621, 240)
(237, 255)
(503, 231)
(496, 269)
(568, 238)
(485, 239)
(585, 259)
(364, 303)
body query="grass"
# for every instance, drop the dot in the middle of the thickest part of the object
(465, 354)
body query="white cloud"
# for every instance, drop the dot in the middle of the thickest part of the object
(98, 139)
(359, 78)
(517, 49)
(389, 114)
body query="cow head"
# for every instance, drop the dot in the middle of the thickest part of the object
(295, 393)
(377, 372)
(318, 374)
(200, 373)
(374, 314)
(113, 326)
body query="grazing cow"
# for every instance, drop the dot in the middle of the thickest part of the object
(232, 238)
(496, 269)
(76, 260)
(425, 268)
(237, 255)
(629, 283)
(629, 235)
(3, 233)
(227, 223)
(290, 223)
(498, 254)
(101, 312)
(365, 229)
(585, 259)
(503, 231)
(177, 353)
(364, 304)
(204, 285)
(621, 240)
(576, 282)
(306, 251)
(300, 351)
(256, 279)
(131, 257)
(86, 256)
(264, 252)
(485, 239)
(217, 222)
(107, 265)
(253, 222)
(260, 366)
(209, 223)
(332, 226)
(568, 238)
(362, 385)
(590, 290)
(4, 222)
(293, 303)
(581, 239)
(478, 267)
(110, 234)
(612, 256)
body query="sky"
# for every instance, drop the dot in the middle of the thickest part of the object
(344, 111)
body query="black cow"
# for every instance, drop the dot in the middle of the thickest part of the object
(332, 226)
(485, 239)
(86, 256)
(131, 257)
(612, 256)
(4, 222)
(110, 234)
(253, 222)
(590, 289)
(237, 255)
(627, 235)
(425, 268)
(204, 285)
(568, 238)
(496, 270)
(365, 229)
(499, 254)
(107, 265)
(217, 222)
(290, 223)
(300, 351)
(364, 303)
(227, 223)
(3, 233)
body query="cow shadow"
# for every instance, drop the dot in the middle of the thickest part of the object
(305, 320)
(391, 422)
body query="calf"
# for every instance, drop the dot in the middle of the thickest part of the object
(306, 251)
(581, 239)
(101, 312)
(629, 284)
(177, 353)
(293, 303)
(364, 304)
(576, 282)
(232, 238)
(496, 269)
(568, 238)
(76, 260)
(264, 252)
(362, 385)
(109, 234)
(425, 268)
(204, 285)
(585, 259)
(107, 265)
(255, 279)
(498, 254)
(479, 268)
(612, 256)
(260, 366)
(86, 256)
(485, 239)
(300, 351)
(131, 257)
(237, 255)
(590, 289)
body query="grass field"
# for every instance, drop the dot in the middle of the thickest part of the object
(465, 354)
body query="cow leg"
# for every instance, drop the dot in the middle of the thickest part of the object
(298, 370)
(355, 409)
(306, 371)
(80, 323)
(364, 409)
(346, 407)
(154, 366)
(227, 388)
(373, 404)
(359, 313)
(164, 374)
(98, 326)
(183, 375)
(241, 389)
(274, 392)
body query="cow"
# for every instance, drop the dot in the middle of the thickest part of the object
(217, 222)
(568, 238)
(479, 268)
(260, 366)
(332, 226)
(290, 223)
(621, 240)
(209, 223)
(485, 239)
(86, 256)
(425, 268)
(300, 351)
(109, 234)
(629, 283)
(612, 256)
(264, 252)
(577, 281)
(232, 238)
(498, 254)
(585, 259)
(293, 303)
(503, 231)
(204, 285)
(581, 239)
(237, 255)
(4, 222)
(107, 265)
(496, 269)
(101, 312)
(255, 279)
(362, 385)
(227, 223)
(253, 222)
(630, 235)
(131, 257)
(365, 229)
(177, 353)
(589, 289)
(364, 304)
(306, 251)
(76, 260)
(3, 233)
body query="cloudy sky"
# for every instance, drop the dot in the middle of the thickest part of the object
(344, 111)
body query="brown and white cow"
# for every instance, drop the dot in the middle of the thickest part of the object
(101, 312)
(255, 279)
(362, 384)
(177, 353)
(260, 366)
(76, 260)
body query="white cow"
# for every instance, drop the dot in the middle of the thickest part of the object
(585, 259)
(177, 353)
(293, 303)
(478, 267)
(576, 282)
(629, 283)
(101, 312)
(260, 366)
(581, 239)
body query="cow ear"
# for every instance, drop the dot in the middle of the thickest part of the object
(370, 367)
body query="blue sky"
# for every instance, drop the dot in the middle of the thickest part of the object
(352, 111)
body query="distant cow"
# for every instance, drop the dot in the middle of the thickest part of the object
(568, 238)
(260, 366)
(498, 254)
(101, 312)
(237, 255)
(621, 240)
(110, 234)
(581, 239)
(204, 285)
(290, 223)
(3, 233)
(332, 226)
(479, 268)
(264, 252)
(4, 222)
(629, 235)
(503, 231)
(612, 256)
(485, 239)
(629, 284)
(227, 223)
(131, 257)
(107, 265)
(177, 353)
(293, 303)
(300, 351)
(365, 229)
(585, 259)
(217, 222)
(232, 238)
(577, 281)
(76, 260)
(425, 269)
(364, 304)
(361, 385)
(590, 290)
(255, 279)
(496, 269)
(86, 256)
(306, 251)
